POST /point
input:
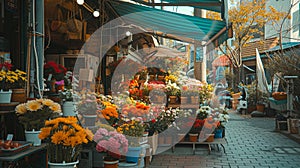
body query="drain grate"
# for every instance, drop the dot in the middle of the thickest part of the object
(287, 150)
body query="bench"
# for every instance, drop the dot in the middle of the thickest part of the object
(217, 141)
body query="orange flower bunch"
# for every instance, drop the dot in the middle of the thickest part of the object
(110, 110)
(136, 109)
(64, 135)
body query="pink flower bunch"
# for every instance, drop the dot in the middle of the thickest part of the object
(112, 142)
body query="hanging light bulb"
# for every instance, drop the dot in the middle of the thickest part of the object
(96, 13)
(80, 2)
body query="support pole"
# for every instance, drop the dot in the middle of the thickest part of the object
(40, 41)
(290, 92)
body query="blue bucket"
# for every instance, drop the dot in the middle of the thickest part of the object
(133, 154)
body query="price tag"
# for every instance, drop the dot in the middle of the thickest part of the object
(49, 77)
(9, 137)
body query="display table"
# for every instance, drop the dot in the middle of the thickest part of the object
(279, 105)
(8, 121)
(217, 141)
(36, 155)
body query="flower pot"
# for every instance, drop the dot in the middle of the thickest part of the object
(32, 136)
(63, 165)
(133, 154)
(111, 163)
(5, 96)
(69, 108)
(183, 100)
(193, 137)
(210, 137)
(260, 107)
(219, 133)
(18, 95)
(89, 120)
(172, 99)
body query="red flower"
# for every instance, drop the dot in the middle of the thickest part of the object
(6, 65)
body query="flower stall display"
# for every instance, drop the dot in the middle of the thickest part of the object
(33, 114)
(64, 138)
(113, 143)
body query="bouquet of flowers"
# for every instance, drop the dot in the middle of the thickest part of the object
(111, 141)
(109, 112)
(65, 138)
(34, 113)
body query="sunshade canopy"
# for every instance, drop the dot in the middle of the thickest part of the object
(169, 23)
(213, 5)
(222, 60)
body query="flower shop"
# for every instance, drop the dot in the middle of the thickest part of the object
(155, 108)
(78, 109)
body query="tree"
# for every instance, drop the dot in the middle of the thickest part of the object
(286, 62)
(247, 19)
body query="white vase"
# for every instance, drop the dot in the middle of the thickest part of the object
(32, 136)
(63, 165)
(69, 108)
(5, 96)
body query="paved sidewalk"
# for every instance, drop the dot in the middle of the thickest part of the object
(252, 142)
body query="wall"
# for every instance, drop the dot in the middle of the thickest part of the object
(284, 5)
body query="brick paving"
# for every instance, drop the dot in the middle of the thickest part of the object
(252, 143)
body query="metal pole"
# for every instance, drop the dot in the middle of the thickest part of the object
(40, 41)
(290, 92)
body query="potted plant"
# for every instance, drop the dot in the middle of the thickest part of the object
(113, 143)
(222, 118)
(64, 138)
(69, 106)
(33, 115)
(195, 128)
(134, 131)
(173, 91)
(87, 107)
(12, 84)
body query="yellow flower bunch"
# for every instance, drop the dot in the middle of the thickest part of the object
(133, 128)
(171, 77)
(65, 135)
(13, 79)
(34, 113)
